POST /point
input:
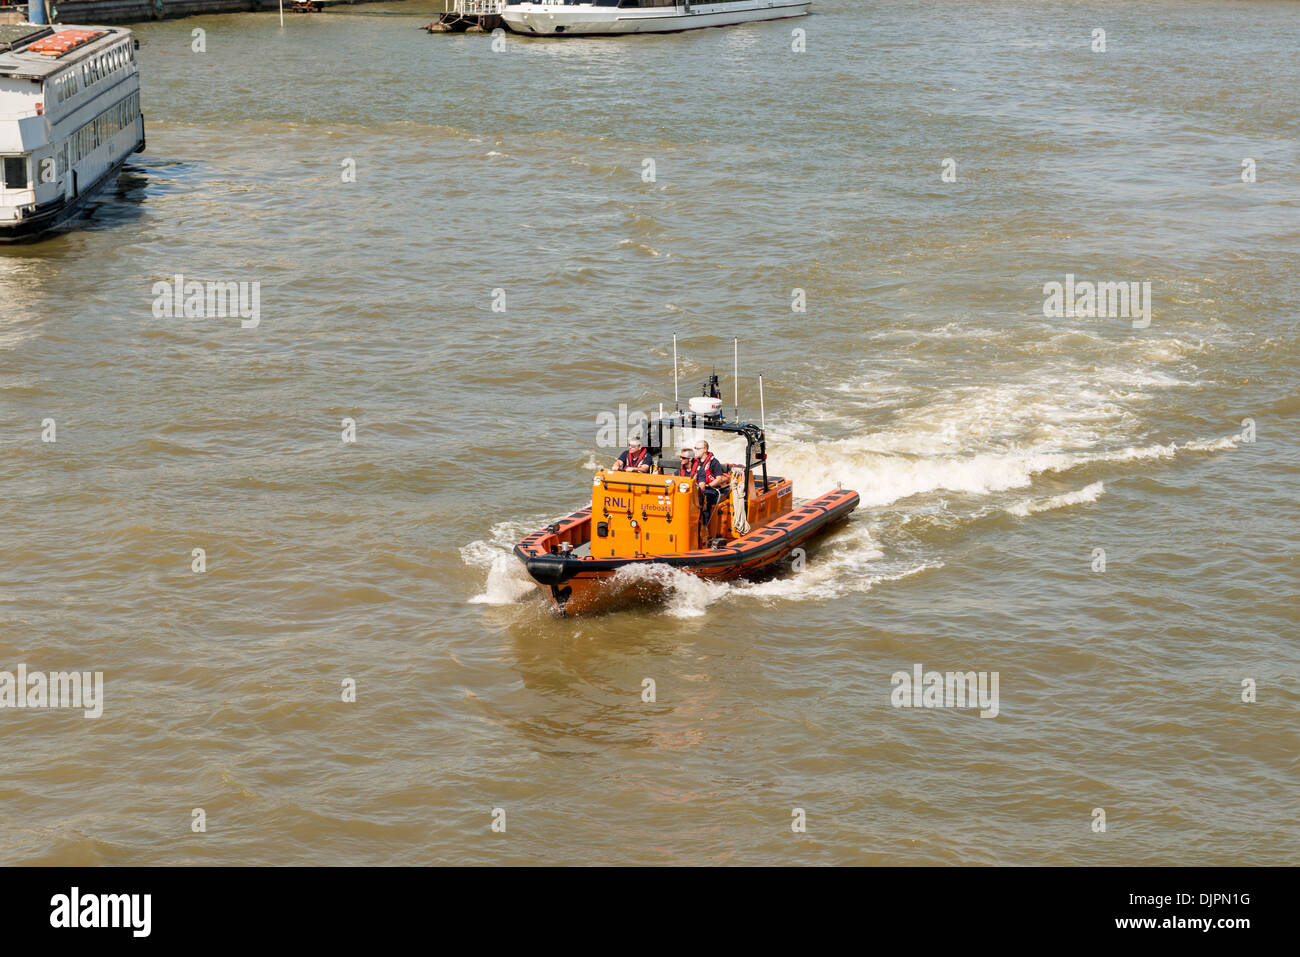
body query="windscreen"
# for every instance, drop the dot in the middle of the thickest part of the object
(662, 441)
(668, 439)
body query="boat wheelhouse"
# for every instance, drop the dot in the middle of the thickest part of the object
(69, 118)
(587, 17)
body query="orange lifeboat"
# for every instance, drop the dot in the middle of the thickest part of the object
(660, 518)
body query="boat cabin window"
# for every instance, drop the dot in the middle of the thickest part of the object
(65, 86)
(660, 441)
(14, 169)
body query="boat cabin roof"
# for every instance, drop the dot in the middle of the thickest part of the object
(30, 52)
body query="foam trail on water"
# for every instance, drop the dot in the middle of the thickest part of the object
(907, 445)
(883, 478)
(507, 581)
(1089, 493)
(829, 581)
(685, 595)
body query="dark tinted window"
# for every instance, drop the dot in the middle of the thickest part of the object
(15, 172)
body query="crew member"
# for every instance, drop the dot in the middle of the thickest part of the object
(711, 475)
(635, 459)
(683, 464)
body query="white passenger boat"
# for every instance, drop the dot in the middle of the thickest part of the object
(586, 17)
(69, 118)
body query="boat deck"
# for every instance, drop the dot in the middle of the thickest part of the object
(16, 60)
(16, 34)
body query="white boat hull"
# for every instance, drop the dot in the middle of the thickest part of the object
(559, 19)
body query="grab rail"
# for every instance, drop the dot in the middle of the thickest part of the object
(486, 8)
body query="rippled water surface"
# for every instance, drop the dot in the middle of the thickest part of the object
(994, 449)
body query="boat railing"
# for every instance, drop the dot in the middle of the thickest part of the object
(472, 8)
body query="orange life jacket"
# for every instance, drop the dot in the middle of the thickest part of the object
(700, 468)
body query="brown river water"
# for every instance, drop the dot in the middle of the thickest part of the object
(996, 449)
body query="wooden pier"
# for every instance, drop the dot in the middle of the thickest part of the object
(461, 15)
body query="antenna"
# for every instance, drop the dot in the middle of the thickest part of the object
(676, 401)
(762, 409)
(735, 375)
